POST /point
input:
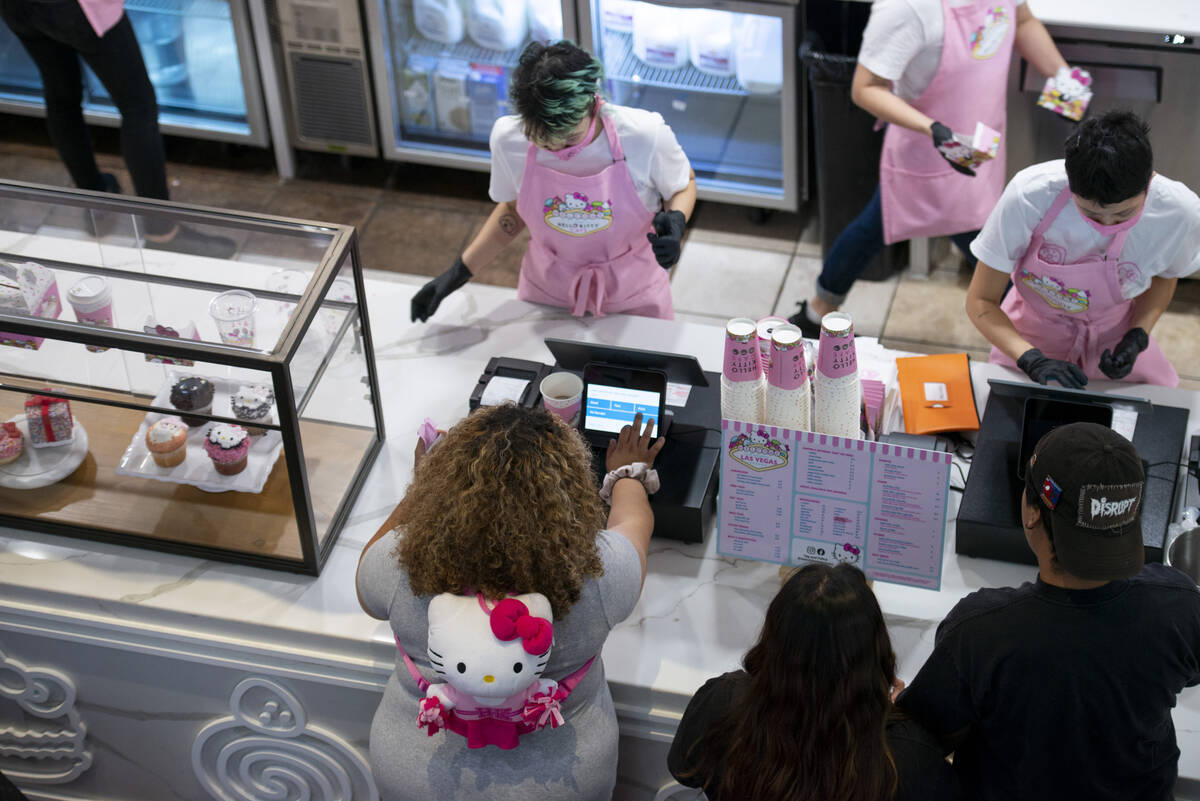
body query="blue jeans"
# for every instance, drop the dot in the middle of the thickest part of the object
(857, 246)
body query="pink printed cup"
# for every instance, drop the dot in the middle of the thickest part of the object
(91, 299)
(562, 395)
(765, 326)
(836, 355)
(788, 368)
(742, 359)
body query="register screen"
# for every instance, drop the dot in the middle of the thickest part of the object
(610, 409)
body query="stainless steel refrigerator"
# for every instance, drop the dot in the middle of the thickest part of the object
(200, 58)
(441, 70)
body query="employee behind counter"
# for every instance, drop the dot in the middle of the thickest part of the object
(604, 190)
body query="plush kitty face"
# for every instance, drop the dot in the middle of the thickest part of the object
(467, 653)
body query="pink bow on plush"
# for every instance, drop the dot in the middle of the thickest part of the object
(546, 708)
(511, 619)
(430, 715)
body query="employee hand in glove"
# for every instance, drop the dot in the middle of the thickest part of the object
(1118, 362)
(430, 296)
(941, 135)
(1043, 369)
(667, 238)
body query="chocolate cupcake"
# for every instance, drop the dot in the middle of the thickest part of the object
(252, 404)
(192, 395)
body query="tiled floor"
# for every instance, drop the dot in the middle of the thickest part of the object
(415, 219)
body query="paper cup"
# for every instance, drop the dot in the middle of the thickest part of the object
(742, 362)
(233, 312)
(562, 394)
(91, 299)
(837, 390)
(789, 396)
(766, 326)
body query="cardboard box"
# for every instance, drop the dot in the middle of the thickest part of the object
(1067, 93)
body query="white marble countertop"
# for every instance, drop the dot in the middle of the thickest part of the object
(698, 614)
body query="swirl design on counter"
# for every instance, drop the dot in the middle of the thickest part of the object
(49, 741)
(267, 751)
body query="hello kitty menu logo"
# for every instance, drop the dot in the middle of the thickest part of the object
(575, 215)
(847, 552)
(1057, 294)
(986, 40)
(759, 451)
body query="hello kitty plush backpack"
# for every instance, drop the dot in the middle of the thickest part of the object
(492, 657)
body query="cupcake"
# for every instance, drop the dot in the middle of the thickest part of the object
(252, 403)
(11, 443)
(167, 442)
(192, 395)
(227, 446)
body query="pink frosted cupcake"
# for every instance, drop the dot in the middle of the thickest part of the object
(12, 443)
(227, 446)
(167, 441)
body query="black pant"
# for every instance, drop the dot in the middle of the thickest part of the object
(9, 791)
(57, 34)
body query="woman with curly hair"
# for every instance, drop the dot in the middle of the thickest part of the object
(810, 718)
(506, 504)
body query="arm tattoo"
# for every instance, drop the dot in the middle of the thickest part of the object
(508, 224)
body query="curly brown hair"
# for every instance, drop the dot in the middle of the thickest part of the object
(505, 504)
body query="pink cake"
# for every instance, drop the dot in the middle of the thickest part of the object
(227, 446)
(11, 443)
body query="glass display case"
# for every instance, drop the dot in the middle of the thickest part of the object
(182, 379)
(199, 56)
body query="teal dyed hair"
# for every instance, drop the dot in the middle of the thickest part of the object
(554, 87)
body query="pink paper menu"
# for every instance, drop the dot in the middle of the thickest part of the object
(795, 497)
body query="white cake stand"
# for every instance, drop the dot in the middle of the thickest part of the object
(41, 467)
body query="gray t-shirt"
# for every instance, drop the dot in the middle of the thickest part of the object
(575, 761)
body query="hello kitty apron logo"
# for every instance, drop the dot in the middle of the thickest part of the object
(1052, 254)
(986, 40)
(575, 215)
(1128, 274)
(1057, 294)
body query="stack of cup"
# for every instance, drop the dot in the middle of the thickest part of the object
(765, 326)
(743, 385)
(837, 390)
(789, 397)
(91, 298)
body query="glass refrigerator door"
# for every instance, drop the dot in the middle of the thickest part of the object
(200, 59)
(442, 69)
(724, 79)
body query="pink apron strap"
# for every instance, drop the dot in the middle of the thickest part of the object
(614, 141)
(1057, 206)
(422, 682)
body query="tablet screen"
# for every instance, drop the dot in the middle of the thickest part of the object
(609, 409)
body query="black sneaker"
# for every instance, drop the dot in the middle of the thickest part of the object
(194, 243)
(807, 327)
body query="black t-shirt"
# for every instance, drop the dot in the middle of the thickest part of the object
(1064, 694)
(923, 773)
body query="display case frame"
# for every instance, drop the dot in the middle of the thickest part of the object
(291, 401)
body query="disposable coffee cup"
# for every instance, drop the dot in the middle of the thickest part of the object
(562, 395)
(91, 299)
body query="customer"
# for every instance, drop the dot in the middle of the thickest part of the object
(1063, 688)
(506, 504)
(929, 68)
(810, 717)
(57, 34)
(1093, 246)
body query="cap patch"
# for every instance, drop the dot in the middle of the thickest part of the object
(1051, 492)
(1105, 506)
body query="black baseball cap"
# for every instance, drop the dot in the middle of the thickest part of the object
(1090, 482)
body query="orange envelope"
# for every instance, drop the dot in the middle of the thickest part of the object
(937, 394)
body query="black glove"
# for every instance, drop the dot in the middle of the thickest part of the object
(1042, 369)
(668, 237)
(941, 135)
(1119, 362)
(430, 296)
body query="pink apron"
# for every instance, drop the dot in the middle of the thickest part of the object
(102, 14)
(922, 194)
(1074, 312)
(588, 250)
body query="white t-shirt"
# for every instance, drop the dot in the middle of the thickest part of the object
(903, 43)
(1164, 242)
(656, 162)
